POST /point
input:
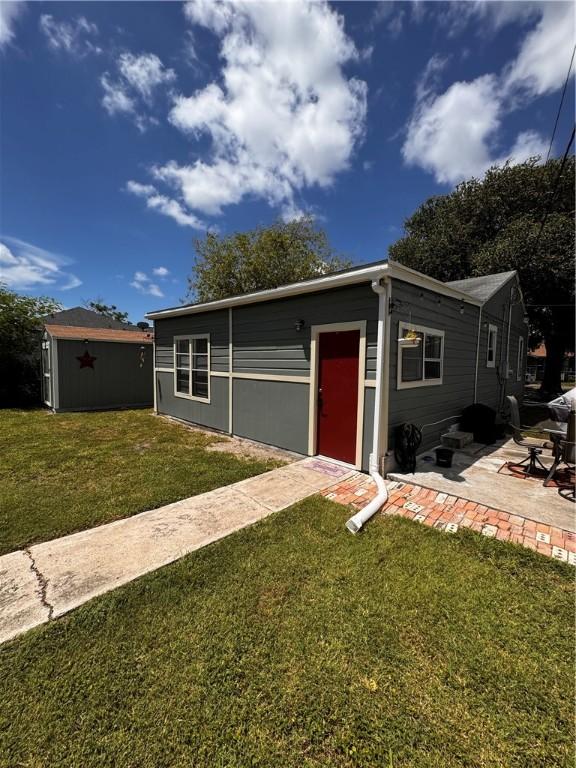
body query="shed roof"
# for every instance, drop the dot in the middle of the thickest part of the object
(85, 318)
(80, 333)
(482, 287)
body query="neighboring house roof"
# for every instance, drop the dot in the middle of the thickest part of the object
(484, 287)
(79, 333)
(375, 271)
(540, 351)
(85, 318)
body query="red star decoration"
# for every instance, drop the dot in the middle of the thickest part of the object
(87, 360)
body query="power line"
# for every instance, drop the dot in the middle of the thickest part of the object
(561, 103)
(556, 182)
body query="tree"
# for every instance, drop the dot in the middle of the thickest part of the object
(21, 319)
(262, 258)
(495, 225)
(108, 310)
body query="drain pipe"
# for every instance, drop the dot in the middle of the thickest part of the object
(380, 435)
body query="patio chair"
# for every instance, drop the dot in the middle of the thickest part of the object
(532, 464)
(565, 455)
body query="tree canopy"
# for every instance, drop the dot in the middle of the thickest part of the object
(262, 258)
(20, 322)
(494, 224)
(108, 310)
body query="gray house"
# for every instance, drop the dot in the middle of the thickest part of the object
(330, 366)
(91, 362)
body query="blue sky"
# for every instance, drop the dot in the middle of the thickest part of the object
(129, 128)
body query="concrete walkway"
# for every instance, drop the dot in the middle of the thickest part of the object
(47, 580)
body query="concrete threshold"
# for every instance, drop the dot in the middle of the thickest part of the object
(47, 580)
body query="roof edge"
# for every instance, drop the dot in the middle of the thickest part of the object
(326, 282)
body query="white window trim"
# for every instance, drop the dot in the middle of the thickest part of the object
(190, 338)
(491, 363)
(421, 382)
(520, 361)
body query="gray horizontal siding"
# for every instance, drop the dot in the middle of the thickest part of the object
(424, 405)
(213, 414)
(493, 386)
(214, 323)
(266, 341)
(273, 412)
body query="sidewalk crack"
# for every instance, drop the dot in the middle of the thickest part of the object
(42, 584)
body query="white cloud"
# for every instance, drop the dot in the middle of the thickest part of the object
(139, 77)
(487, 16)
(457, 134)
(543, 60)
(73, 37)
(449, 134)
(161, 271)
(162, 204)
(9, 12)
(24, 266)
(116, 99)
(143, 284)
(144, 73)
(281, 117)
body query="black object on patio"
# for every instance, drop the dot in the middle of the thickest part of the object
(481, 421)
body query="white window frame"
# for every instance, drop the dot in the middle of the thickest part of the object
(190, 339)
(520, 361)
(491, 328)
(423, 382)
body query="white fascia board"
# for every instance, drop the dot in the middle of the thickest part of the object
(295, 289)
(400, 272)
(367, 274)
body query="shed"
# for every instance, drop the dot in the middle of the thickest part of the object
(330, 366)
(98, 364)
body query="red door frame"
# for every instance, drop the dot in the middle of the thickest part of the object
(316, 331)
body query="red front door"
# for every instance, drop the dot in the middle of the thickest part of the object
(338, 353)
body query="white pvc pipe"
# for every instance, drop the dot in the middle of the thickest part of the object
(355, 523)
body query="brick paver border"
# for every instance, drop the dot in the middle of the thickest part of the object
(449, 513)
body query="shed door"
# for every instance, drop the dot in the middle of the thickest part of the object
(338, 359)
(46, 372)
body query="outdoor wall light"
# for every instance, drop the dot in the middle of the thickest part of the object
(299, 324)
(461, 309)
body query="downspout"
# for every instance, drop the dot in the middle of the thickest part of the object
(477, 354)
(380, 434)
(508, 337)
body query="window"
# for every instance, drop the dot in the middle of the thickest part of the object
(520, 364)
(420, 365)
(492, 344)
(191, 367)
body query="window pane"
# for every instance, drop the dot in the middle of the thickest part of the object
(432, 369)
(200, 383)
(201, 346)
(182, 346)
(182, 361)
(200, 362)
(491, 345)
(411, 363)
(433, 347)
(183, 381)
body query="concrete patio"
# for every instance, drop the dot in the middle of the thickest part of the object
(475, 476)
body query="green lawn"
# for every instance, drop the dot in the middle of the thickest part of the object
(294, 644)
(66, 472)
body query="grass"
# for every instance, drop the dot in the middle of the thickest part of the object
(294, 644)
(67, 472)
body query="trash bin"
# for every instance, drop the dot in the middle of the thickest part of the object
(444, 457)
